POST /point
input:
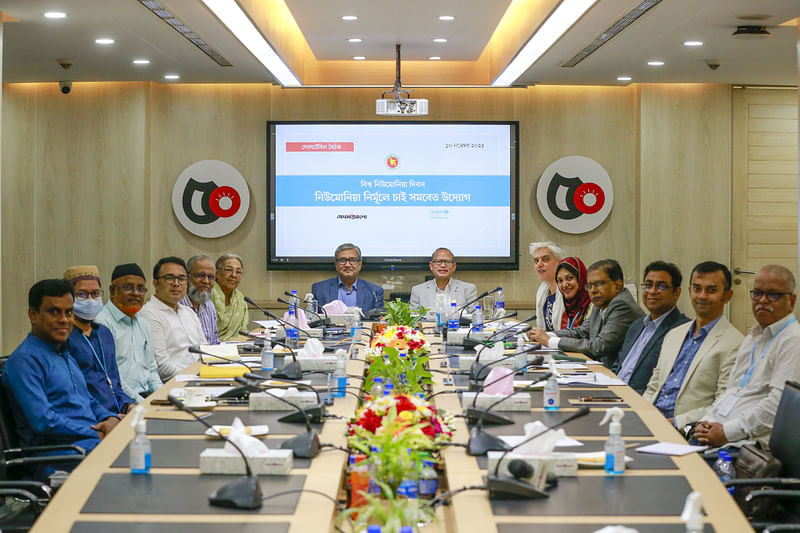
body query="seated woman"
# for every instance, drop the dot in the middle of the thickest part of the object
(232, 314)
(571, 280)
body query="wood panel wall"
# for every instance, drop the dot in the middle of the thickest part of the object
(88, 177)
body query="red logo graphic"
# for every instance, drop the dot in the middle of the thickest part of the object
(224, 201)
(392, 161)
(589, 198)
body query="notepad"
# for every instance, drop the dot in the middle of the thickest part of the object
(668, 448)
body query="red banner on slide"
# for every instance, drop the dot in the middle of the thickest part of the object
(320, 147)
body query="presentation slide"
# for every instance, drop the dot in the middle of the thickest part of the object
(396, 190)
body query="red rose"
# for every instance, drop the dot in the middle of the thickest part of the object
(404, 403)
(370, 421)
(429, 431)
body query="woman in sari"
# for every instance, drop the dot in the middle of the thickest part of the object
(232, 314)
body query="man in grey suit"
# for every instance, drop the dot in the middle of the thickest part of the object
(442, 265)
(614, 310)
(661, 289)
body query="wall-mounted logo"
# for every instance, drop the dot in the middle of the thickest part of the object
(575, 194)
(392, 161)
(210, 198)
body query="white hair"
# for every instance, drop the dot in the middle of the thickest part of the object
(555, 249)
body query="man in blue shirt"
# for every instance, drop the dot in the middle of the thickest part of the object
(347, 286)
(45, 386)
(92, 344)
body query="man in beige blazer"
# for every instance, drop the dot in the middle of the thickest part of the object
(696, 358)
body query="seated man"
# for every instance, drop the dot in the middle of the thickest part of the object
(639, 354)
(46, 389)
(615, 309)
(202, 274)
(92, 344)
(347, 286)
(132, 338)
(174, 326)
(443, 265)
(696, 358)
(766, 360)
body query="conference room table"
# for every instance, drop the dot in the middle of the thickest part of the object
(102, 495)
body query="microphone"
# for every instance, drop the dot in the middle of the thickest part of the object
(478, 371)
(506, 488)
(273, 317)
(242, 493)
(480, 441)
(461, 309)
(290, 370)
(236, 392)
(469, 343)
(257, 340)
(489, 340)
(320, 322)
(305, 445)
(315, 413)
(532, 363)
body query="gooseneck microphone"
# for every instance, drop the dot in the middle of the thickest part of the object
(241, 493)
(317, 323)
(469, 343)
(478, 371)
(322, 321)
(475, 368)
(273, 317)
(236, 392)
(290, 370)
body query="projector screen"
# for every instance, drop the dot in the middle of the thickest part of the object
(398, 190)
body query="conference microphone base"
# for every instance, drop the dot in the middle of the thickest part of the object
(238, 392)
(305, 446)
(481, 442)
(508, 488)
(474, 414)
(241, 493)
(315, 415)
(322, 323)
(290, 370)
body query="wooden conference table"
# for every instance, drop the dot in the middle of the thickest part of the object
(101, 495)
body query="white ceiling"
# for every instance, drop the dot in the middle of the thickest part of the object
(31, 46)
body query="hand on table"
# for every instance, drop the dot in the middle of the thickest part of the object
(538, 335)
(710, 433)
(104, 428)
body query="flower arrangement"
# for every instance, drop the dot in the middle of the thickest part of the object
(404, 338)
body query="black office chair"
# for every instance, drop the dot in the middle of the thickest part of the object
(405, 297)
(784, 444)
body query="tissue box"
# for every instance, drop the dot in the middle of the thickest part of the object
(518, 402)
(560, 464)
(341, 320)
(326, 363)
(457, 337)
(218, 461)
(261, 401)
(465, 361)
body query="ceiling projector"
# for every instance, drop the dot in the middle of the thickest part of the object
(401, 106)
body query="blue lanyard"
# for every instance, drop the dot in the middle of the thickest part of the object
(571, 321)
(753, 363)
(102, 366)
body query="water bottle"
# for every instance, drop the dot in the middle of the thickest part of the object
(139, 448)
(499, 301)
(374, 488)
(408, 489)
(267, 359)
(428, 481)
(359, 480)
(551, 394)
(477, 319)
(327, 398)
(292, 334)
(374, 528)
(440, 308)
(388, 389)
(452, 317)
(339, 379)
(294, 300)
(376, 391)
(520, 358)
(724, 468)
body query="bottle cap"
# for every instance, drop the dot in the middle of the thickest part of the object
(378, 380)
(374, 529)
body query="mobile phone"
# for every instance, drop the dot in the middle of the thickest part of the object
(160, 402)
(600, 399)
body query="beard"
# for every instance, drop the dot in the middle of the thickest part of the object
(197, 295)
(130, 310)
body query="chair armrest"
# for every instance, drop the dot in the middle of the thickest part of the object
(42, 489)
(765, 481)
(777, 493)
(781, 527)
(23, 494)
(44, 459)
(43, 449)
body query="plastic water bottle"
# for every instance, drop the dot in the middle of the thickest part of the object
(551, 390)
(615, 446)
(339, 379)
(440, 308)
(327, 398)
(374, 528)
(294, 300)
(376, 391)
(477, 319)
(292, 335)
(409, 487)
(499, 301)
(724, 468)
(520, 358)
(359, 480)
(388, 389)
(267, 359)
(139, 448)
(452, 317)
(428, 481)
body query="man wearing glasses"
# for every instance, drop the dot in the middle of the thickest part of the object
(442, 265)
(175, 327)
(639, 354)
(696, 358)
(132, 336)
(347, 286)
(202, 274)
(766, 360)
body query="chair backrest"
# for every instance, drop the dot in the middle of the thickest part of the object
(786, 431)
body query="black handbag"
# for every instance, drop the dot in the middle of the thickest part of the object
(756, 461)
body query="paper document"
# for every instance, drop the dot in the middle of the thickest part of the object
(224, 352)
(668, 448)
(593, 378)
(183, 378)
(513, 440)
(268, 324)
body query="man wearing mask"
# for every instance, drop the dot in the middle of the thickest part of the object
(202, 274)
(132, 336)
(92, 344)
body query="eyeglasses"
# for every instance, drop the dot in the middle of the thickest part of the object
(94, 295)
(660, 286)
(598, 284)
(351, 260)
(127, 287)
(235, 272)
(772, 296)
(170, 279)
(201, 276)
(442, 262)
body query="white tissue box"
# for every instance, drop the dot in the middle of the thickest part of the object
(325, 363)
(465, 361)
(457, 337)
(520, 401)
(560, 464)
(218, 461)
(341, 320)
(261, 401)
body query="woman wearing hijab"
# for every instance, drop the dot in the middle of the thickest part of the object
(571, 280)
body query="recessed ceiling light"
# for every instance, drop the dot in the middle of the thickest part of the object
(693, 43)
(440, 40)
(434, 58)
(349, 17)
(55, 15)
(171, 77)
(354, 40)
(447, 17)
(104, 40)
(359, 58)
(656, 63)
(141, 61)
(624, 78)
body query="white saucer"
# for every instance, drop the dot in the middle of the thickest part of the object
(255, 431)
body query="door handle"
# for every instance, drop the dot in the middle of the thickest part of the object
(739, 271)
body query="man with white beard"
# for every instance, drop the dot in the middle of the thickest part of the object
(202, 274)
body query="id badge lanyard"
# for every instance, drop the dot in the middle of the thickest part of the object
(753, 362)
(100, 361)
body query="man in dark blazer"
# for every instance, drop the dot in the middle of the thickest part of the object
(661, 289)
(347, 286)
(614, 311)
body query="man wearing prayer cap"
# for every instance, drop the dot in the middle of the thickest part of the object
(132, 336)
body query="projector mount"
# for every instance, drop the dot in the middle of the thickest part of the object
(401, 103)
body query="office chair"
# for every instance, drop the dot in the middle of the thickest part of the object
(784, 444)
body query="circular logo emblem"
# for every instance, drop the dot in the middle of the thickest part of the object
(575, 194)
(392, 161)
(210, 198)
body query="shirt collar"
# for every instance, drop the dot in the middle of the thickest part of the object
(657, 322)
(354, 287)
(707, 328)
(116, 313)
(163, 306)
(55, 348)
(776, 326)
